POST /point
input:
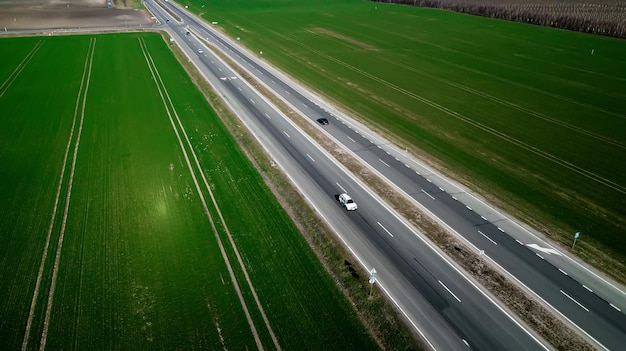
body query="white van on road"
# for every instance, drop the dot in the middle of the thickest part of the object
(346, 201)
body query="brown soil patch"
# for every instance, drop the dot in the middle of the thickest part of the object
(65, 14)
(352, 41)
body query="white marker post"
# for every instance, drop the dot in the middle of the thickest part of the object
(372, 280)
(575, 238)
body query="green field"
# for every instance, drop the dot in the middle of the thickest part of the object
(534, 118)
(130, 258)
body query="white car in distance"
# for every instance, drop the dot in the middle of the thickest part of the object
(346, 201)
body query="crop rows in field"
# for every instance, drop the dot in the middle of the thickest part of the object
(533, 117)
(597, 17)
(130, 218)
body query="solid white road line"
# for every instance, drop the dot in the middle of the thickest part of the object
(385, 229)
(451, 293)
(432, 197)
(578, 303)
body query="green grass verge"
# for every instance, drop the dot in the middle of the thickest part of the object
(525, 115)
(139, 266)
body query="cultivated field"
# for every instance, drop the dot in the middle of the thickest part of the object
(531, 117)
(131, 220)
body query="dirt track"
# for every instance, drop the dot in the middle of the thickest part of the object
(65, 14)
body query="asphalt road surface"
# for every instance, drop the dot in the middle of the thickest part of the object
(450, 311)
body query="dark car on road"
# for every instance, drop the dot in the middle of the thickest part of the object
(323, 121)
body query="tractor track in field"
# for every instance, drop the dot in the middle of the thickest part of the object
(486, 128)
(169, 107)
(20, 67)
(80, 105)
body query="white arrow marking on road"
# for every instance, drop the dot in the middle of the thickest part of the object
(544, 249)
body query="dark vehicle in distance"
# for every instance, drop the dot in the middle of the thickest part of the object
(322, 121)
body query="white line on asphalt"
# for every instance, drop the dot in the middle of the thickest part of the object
(252, 101)
(500, 229)
(440, 188)
(268, 116)
(342, 189)
(213, 62)
(239, 88)
(309, 156)
(383, 162)
(519, 242)
(466, 343)
(562, 271)
(396, 159)
(303, 104)
(538, 255)
(219, 68)
(444, 285)
(430, 181)
(287, 92)
(578, 303)
(407, 166)
(378, 146)
(488, 238)
(469, 208)
(273, 82)
(387, 152)
(286, 134)
(428, 194)
(385, 229)
(615, 307)
(484, 219)
(586, 287)
(352, 140)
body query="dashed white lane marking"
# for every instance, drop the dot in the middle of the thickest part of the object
(287, 92)
(340, 187)
(440, 188)
(451, 293)
(286, 134)
(239, 88)
(500, 229)
(428, 180)
(519, 242)
(407, 166)
(428, 194)
(571, 298)
(586, 287)
(309, 156)
(305, 106)
(466, 343)
(385, 229)
(454, 198)
(220, 69)
(378, 146)
(615, 307)
(268, 116)
(252, 101)
(213, 62)
(538, 255)
(562, 271)
(488, 238)
(383, 162)
(469, 208)
(484, 219)
(354, 141)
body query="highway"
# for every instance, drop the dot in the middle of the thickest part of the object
(444, 305)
